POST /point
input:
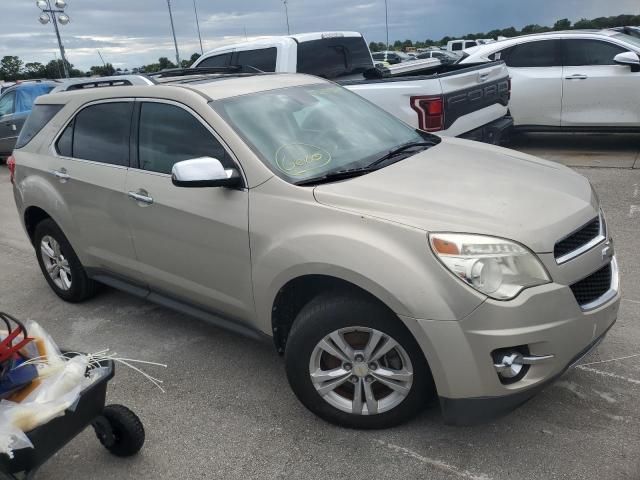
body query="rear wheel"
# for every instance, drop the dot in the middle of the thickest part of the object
(353, 363)
(60, 265)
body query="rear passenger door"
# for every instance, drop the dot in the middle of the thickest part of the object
(89, 172)
(536, 82)
(191, 244)
(597, 91)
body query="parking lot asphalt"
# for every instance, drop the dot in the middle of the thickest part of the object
(228, 411)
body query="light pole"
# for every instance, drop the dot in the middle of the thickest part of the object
(286, 12)
(173, 31)
(195, 9)
(49, 15)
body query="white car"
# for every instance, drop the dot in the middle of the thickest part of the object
(574, 80)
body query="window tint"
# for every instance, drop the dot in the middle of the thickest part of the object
(216, 61)
(470, 44)
(65, 142)
(263, 59)
(456, 46)
(6, 103)
(544, 53)
(590, 52)
(38, 118)
(169, 134)
(102, 133)
(334, 57)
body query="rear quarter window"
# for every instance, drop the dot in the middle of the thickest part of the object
(37, 119)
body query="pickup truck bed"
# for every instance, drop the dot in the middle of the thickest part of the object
(471, 95)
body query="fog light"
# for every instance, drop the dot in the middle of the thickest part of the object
(510, 365)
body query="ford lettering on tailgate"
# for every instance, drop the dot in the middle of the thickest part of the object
(463, 102)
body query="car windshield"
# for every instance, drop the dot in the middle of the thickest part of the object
(623, 37)
(310, 131)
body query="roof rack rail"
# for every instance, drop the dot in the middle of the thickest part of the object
(97, 83)
(183, 72)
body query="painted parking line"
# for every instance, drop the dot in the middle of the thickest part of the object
(436, 464)
(608, 374)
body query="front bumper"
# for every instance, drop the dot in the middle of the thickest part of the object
(472, 411)
(547, 320)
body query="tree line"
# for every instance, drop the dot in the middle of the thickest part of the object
(12, 68)
(563, 24)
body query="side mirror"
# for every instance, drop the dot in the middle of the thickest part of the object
(204, 172)
(630, 59)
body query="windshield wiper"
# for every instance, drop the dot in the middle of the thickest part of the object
(399, 150)
(337, 175)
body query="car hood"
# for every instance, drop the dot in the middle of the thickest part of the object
(463, 186)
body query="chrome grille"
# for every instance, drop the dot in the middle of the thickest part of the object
(577, 240)
(593, 287)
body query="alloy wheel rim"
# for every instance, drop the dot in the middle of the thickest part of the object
(361, 371)
(55, 263)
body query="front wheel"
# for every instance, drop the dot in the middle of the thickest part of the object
(353, 363)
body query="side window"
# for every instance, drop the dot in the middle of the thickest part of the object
(169, 134)
(39, 117)
(501, 55)
(263, 59)
(590, 52)
(102, 133)
(6, 103)
(470, 44)
(65, 141)
(216, 61)
(456, 46)
(544, 53)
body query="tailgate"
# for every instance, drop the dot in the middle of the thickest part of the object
(474, 96)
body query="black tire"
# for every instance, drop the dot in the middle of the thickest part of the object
(328, 313)
(127, 435)
(82, 287)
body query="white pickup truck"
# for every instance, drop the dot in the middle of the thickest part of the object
(470, 101)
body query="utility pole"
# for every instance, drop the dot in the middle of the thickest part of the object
(195, 9)
(286, 12)
(173, 31)
(386, 21)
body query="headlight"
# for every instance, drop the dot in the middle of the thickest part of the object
(496, 267)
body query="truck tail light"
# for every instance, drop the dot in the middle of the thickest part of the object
(430, 112)
(11, 164)
(509, 90)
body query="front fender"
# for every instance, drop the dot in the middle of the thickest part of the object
(391, 261)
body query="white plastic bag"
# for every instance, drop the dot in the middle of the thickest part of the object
(11, 437)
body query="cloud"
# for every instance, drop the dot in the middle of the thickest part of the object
(134, 32)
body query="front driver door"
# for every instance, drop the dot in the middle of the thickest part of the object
(597, 91)
(191, 244)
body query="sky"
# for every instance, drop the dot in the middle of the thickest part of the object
(130, 33)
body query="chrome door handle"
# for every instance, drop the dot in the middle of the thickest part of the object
(61, 174)
(576, 76)
(139, 197)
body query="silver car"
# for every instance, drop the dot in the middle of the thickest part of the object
(387, 265)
